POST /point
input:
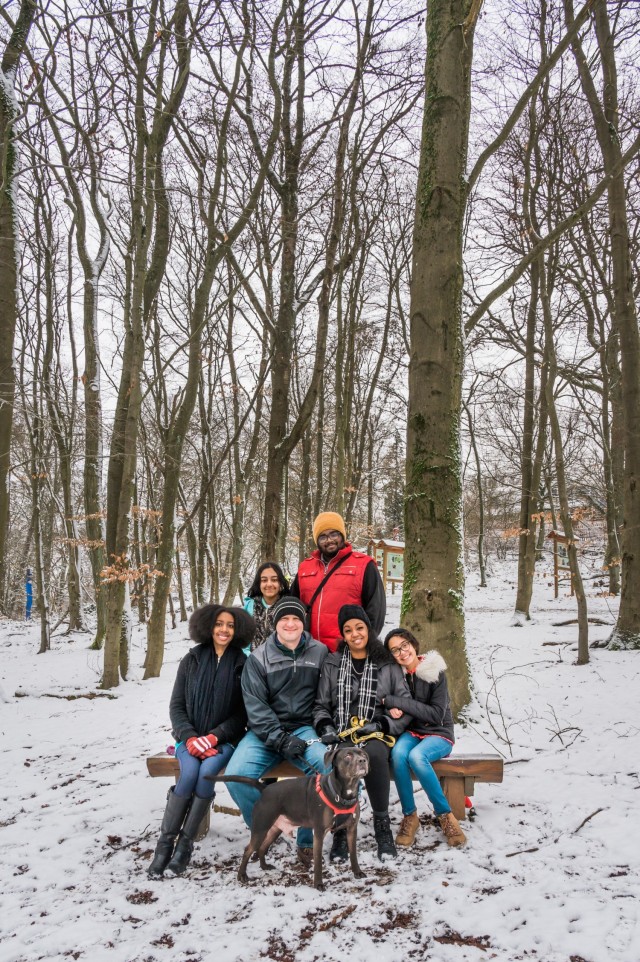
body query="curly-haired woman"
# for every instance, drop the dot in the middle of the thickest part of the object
(208, 718)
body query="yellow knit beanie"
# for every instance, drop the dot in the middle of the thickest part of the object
(328, 521)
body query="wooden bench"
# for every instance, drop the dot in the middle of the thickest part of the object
(458, 775)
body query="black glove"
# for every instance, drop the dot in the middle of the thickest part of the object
(369, 728)
(330, 737)
(292, 747)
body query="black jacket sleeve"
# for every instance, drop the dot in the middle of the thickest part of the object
(325, 703)
(180, 721)
(374, 600)
(392, 685)
(295, 588)
(432, 712)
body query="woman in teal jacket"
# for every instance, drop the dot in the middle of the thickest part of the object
(269, 585)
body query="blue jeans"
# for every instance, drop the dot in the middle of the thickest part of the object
(253, 758)
(193, 771)
(411, 753)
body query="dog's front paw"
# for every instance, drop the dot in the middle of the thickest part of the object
(358, 873)
(243, 877)
(320, 886)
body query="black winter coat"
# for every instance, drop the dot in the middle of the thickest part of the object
(390, 682)
(428, 703)
(229, 729)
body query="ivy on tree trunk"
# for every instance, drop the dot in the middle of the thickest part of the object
(433, 595)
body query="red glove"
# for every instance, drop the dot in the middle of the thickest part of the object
(203, 743)
(209, 752)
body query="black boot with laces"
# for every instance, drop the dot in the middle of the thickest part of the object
(339, 849)
(384, 837)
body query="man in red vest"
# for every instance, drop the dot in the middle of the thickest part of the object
(336, 575)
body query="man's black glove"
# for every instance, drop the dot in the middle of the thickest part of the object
(329, 736)
(370, 728)
(292, 747)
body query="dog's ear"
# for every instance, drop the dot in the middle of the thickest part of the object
(330, 755)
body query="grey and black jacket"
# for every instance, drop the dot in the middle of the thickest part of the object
(429, 698)
(279, 687)
(390, 682)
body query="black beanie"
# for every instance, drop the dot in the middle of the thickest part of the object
(347, 612)
(289, 606)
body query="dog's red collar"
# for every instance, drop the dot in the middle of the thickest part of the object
(327, 801)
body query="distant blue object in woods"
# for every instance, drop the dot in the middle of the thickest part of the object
(28, 587)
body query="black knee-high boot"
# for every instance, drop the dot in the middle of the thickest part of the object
(184, 845)
(172, 820)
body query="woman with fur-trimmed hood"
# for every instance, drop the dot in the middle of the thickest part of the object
(429, 735)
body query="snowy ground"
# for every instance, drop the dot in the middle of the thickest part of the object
(550, 872)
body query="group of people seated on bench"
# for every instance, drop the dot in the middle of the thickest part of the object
(259, 688)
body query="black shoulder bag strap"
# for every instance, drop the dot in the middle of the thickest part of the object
(321, 586)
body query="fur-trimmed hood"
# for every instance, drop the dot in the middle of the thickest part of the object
(431, 666)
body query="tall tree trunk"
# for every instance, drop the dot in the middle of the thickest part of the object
(626, 633)
(528, 494)
(92, 268)
(304, 523)
(433, 594)
(563, 497)
(476, 458)
(148, 253)
(8, 256)
(282, 438)
(62, 434)
(183, 606)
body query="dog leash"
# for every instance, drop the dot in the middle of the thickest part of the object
(356, 725)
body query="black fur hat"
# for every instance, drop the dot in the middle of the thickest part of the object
(203, 619)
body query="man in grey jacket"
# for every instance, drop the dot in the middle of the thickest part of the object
(279, 684)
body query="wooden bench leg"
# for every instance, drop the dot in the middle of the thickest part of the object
(454, 790)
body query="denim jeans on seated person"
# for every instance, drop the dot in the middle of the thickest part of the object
(193, 771)
(252, 758)
(411, 753)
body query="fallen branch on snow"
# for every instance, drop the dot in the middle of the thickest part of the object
(523, 851)
(48, 694)
(588, 819)
(574, 621)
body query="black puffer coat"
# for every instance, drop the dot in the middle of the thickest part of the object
(428, 703)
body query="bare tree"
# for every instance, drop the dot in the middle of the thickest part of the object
(146, 260)
(607, 128)
(9, 116)
(432, 602)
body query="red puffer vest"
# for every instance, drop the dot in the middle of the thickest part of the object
(343, 588)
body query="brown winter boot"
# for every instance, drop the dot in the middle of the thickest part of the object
(451, 828)
(408, 830)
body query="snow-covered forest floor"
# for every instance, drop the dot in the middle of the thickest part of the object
(550, 872)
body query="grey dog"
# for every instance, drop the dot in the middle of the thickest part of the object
(320, 802)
